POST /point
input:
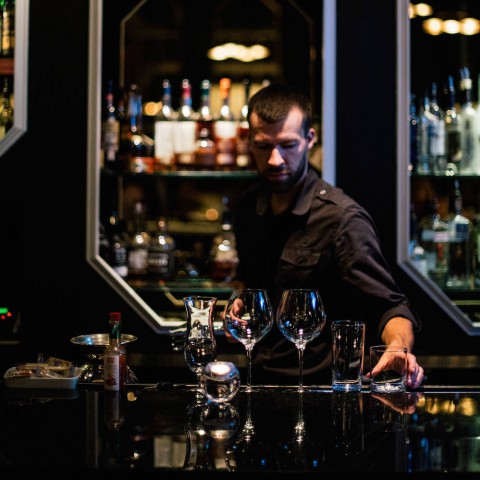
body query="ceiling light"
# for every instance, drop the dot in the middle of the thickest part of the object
(433, 26)
(451, 27)
(238, 52)
(469, 26)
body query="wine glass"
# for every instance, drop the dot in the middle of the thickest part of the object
(199, 346)
(248, 318)
(301, 318)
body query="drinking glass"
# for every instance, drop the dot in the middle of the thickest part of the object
(301, 318)
(248, 318)
(199, 346)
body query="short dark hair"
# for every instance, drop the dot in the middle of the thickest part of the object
(273, 103)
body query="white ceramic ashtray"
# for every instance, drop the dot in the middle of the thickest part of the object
(16, 379)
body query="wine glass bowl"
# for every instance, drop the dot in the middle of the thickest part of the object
(300, 318)
(248, 318)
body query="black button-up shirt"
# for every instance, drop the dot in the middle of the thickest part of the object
(325, 241)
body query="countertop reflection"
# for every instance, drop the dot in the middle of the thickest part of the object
(272, 430)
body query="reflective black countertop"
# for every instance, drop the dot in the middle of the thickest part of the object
(161, 429)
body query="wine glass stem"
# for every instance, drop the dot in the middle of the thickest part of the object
(300, 367)
(249, 368)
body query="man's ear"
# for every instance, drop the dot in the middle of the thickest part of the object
(311, 137)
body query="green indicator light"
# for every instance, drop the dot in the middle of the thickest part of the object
(3, 310)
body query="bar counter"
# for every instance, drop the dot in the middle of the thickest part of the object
(163, 431)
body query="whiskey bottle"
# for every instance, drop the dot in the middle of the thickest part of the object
(205, 147)
(185, 129)
(138, 245)
(243, 155)
(115, 356)
(136, 148)
(459, 265)
(6, 114)
(161, 253)
(223, 253)
(225, 129)
(470, 145)
(8, 28)
(164, 151)
(110, 136)
(452, 133)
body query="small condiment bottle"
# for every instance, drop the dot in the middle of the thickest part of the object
(115, 356)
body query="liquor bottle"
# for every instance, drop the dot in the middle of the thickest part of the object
(117, 244)
(138, 245)
(136, 149)
(223, 253)
(476, 244)
(437, 133)
(459, 265)
(205, 147)
(243, 155)
(115, 356)
(161, 253)
(8, 28)
(435, 241)
(185, 129)
(424, 159)
(6, 115)
(452, 133)
(469, 143)
(225, 129)
(413, 122)
(416, 252)
(164, 151)
(110, 135)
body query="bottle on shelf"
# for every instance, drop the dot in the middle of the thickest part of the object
(225, 129)
(136, 149)
(460, 258)
(110, 131)
(115, 356)
(223, 253)
(416, 252)
(8, 28)
(163, 126)
(161, 253)
(138, 245)
(470, 143)
(413, 121)
(185, 129)
(426, 126)
(452, 133)
(435, 241)
(6, 114)
(476, 243)
(244, 157)
(206, 149)
(118, 246)
(437, 133)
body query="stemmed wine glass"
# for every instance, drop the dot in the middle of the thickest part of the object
(301, 318)
(199, 345)
(248, 318)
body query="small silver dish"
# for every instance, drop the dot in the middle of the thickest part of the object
(92, 370)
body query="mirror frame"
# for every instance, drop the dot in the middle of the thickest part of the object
(20, 83)
(119, 285)
(403, 178)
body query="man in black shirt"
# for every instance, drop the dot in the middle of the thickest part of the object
(293, 230)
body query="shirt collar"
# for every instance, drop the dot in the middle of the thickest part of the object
(301, 204)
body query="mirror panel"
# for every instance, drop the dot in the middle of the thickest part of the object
(169, 39)
(425, 59)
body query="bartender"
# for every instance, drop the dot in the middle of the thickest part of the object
(294, 230)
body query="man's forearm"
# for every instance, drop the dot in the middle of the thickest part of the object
(399, 331)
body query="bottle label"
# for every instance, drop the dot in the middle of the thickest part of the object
(164, 142)
(111, 372)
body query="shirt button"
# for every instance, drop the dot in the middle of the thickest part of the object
(323, 192)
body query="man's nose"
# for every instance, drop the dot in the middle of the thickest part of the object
(275, 157)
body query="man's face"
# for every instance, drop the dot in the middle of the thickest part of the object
(281, 149)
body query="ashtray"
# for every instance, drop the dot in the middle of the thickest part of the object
(92, 370)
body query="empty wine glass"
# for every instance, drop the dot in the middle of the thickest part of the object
(300, 318)
(248, 318)
(199, 346)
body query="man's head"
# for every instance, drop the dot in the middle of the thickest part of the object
(280, 135)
